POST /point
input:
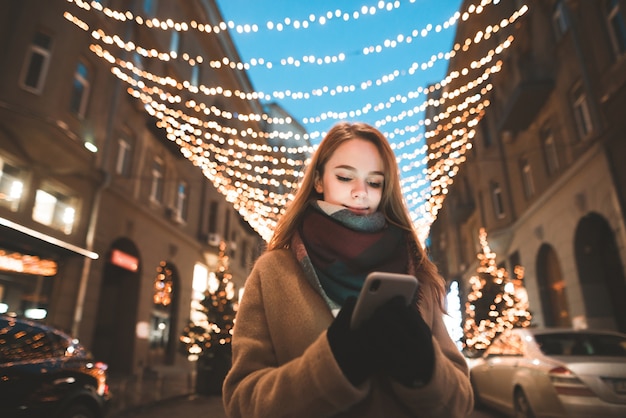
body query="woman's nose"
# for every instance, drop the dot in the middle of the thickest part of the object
(359, 190)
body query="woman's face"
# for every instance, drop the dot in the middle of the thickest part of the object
(353, 177)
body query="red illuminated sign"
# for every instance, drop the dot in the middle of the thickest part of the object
(124, 260)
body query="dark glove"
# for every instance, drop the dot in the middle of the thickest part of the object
(404, 345)
(353, 349)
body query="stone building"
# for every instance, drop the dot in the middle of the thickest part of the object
(530, 143)
(117, 181)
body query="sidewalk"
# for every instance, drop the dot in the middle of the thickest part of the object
(151, 386)
(185, 406)
(211, 407)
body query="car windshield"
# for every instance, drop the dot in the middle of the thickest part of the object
(23, 342)
(580, 344)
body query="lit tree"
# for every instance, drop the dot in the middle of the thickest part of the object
(207, 338)
(495, 302)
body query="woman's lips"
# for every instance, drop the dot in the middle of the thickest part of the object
(358, 211)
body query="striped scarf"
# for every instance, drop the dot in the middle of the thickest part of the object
(338, 249)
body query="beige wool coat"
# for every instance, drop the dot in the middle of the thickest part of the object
(283, 365)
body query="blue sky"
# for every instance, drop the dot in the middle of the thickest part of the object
(430, 24)
(338, 36)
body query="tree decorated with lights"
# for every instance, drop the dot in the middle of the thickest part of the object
(495, 301)
(207, 338)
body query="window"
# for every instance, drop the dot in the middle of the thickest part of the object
(55, 209)
(227, 231)
(514, 345)
(195, 76)
(550, 155)
(498, 204)
(580, 105)
(507, 344)
(199, 286)
(582, 344)
(149, 7)
(496, 348)
(515, 263)
(174, 44)
(158, 176)
(22, 342)
(560, 24)
(163, 286)
(124, 157)
(233, 245)
(616, 26)
(160, 321)
(243, 261)
(160, 328)
(12, 180)
(486, 133)
(37, 62)
(182, 194)
(138, 63)
(213, 213)
(80, 90)
(527, 178)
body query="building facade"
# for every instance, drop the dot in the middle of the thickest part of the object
(115, 182)
(533, 133)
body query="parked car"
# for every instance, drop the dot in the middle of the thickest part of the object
(46, 373)
(556, 373)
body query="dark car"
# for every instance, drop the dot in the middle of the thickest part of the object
(46, 373)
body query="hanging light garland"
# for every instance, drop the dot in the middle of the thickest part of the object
(98, 34)
(289, 93)
(253, 117)
(322, 19)
(206, 149)
(280, 25)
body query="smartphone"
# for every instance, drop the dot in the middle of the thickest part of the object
(378, 288)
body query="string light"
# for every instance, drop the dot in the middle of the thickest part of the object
(338, 89)
(287, 61)
(449, 152)
(298, 95)
(280, 25)
(203, 142)
(487, 58)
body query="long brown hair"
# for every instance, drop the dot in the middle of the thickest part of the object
(392, 203)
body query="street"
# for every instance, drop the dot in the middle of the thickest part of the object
(211, 407)
(188, 406)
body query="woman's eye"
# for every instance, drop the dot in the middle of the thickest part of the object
(375, 184)
(343, 179)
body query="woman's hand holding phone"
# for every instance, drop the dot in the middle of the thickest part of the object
(353, 349)
(404, 346)
(402, 340)
(383, 332)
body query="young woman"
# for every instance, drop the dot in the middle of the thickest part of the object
(294, 353)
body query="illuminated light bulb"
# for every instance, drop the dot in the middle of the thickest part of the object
(340, 89)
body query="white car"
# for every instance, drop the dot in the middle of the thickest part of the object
(556, 373)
